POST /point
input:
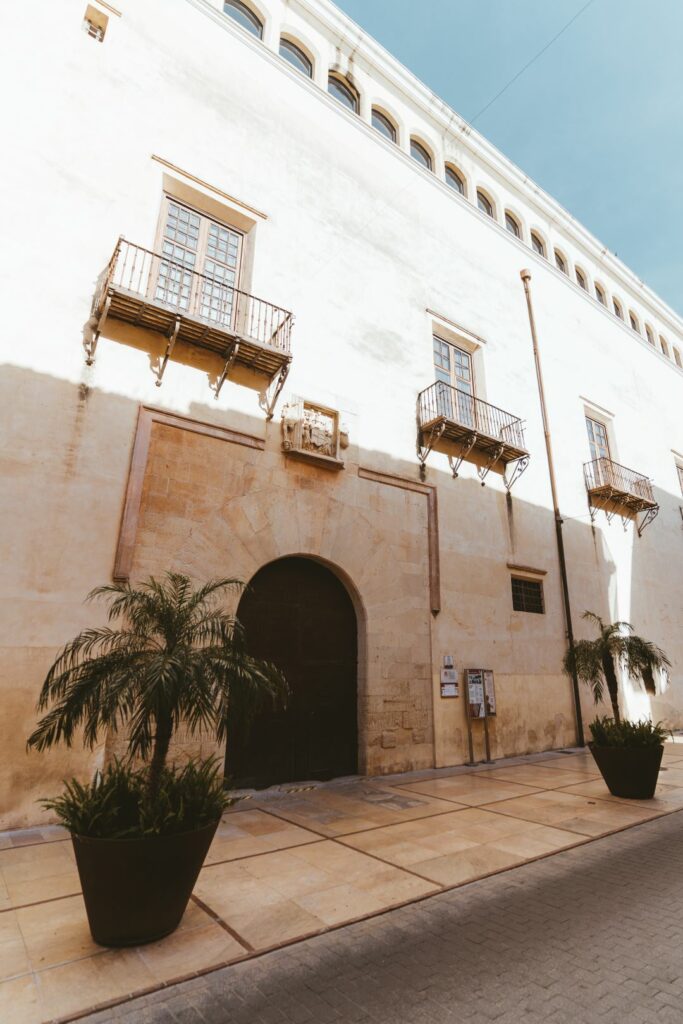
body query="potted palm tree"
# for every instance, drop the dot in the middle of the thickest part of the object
(142, 827)
(628, 754)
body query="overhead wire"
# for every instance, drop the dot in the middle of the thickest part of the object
(532, 61)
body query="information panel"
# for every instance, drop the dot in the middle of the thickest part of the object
(475, 692)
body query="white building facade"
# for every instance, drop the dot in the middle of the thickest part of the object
(244, 240)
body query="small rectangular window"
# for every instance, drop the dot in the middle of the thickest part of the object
(527, 595)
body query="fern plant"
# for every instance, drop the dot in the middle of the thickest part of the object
(115, 805)
(596, 662)
(173, 656)
(608, 733)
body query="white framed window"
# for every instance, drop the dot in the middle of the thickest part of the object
(598, 441)
(200, 263)
(453, 365)
(537, 243)
(560, 262)
(512, 224)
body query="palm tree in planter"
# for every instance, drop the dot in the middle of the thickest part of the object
(628, 754)
(141, 834)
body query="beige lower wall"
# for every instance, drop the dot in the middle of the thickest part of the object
(212, 507)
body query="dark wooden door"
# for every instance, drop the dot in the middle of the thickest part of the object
(299, 615)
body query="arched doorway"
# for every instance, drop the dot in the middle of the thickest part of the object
(299, 615)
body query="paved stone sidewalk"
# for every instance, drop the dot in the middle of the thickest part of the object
(593, 934)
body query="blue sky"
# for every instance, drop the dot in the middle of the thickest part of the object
(597, 121)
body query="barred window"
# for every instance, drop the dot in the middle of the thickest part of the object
(527, 595)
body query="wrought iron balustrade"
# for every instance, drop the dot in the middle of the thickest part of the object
(465, 427)
(444, 400)
(619, 490)
(154, 290)
(605, 474)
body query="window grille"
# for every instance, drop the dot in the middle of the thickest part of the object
(527, 595)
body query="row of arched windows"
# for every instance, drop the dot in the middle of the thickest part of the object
(345, 93)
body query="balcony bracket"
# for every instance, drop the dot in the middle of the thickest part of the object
(466, 447)
(650, 514)
(91, 344)
(483, 471)
(229, 360)
(520, 466)
(274, 389)
(423, 450)
(171, 335)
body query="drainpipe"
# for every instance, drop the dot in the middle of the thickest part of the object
(526, 278)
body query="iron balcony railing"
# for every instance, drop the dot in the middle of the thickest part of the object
(605, 475)
(443, 401)
(211, 299)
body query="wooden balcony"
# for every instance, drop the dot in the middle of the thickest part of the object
(153, 291)
(618, 490)
(467, 429)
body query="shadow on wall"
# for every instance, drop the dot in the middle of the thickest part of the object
(213, 507)
(656, 600)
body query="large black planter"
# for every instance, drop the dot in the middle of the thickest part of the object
(136, 890)
(629, 772)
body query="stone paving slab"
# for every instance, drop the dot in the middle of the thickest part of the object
(297, 864)
(592, 935)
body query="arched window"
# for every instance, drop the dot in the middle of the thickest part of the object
(343, 91)
(420, 154)
(665, 346)
(244, 16)
(617, 309)
(296, 57)
(384, 125)
(633, 320)
(677, 357)
(537, 244)
(649, 334)
(581, 279)
(455, 180)
(512, 225)
(560, 261)
(600, 295)
(484, 203)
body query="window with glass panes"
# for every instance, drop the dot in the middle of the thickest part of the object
(453, 366)
(597, 439)
(200, 266)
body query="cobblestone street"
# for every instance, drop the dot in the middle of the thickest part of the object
(591, 934)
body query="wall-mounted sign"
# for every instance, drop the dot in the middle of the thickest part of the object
(475, 693)
(480, 705)
(448, 661)
(489, 693)
(449, 683)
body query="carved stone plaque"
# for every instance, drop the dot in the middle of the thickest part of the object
(311, 432)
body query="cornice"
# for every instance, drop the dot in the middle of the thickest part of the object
(373, 57)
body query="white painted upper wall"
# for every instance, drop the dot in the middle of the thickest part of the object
(359, 241)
